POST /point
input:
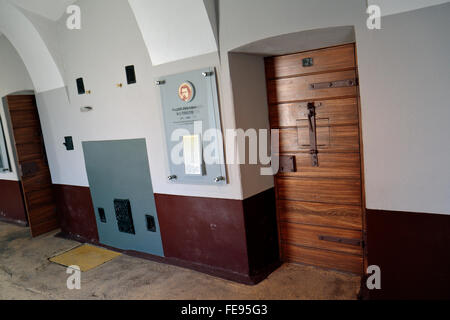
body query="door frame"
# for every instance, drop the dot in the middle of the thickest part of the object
(363, 177)
(361, 153)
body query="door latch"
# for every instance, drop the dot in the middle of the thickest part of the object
(313, 134)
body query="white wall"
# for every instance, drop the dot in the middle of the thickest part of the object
(252, 112)
(98, 53)
(13, 78)
(405, 80)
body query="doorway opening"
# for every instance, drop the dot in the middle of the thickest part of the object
(313, 101)
(31, 162)
(311, 81)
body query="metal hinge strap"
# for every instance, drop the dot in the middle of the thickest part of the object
(334, 84)
(353, 242)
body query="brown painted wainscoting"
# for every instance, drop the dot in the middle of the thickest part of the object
(413, 252)
(76, 213)
(232, 239)
(12, 208)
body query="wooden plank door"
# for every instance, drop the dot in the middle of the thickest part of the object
(319, 207)
(33, 167)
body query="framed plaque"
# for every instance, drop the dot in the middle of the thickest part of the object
(193, 130)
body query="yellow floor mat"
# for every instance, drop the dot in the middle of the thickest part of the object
(86, 257)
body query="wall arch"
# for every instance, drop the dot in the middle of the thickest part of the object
(174, 31)
(22, 34)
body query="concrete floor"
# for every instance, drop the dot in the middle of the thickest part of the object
(26, 273)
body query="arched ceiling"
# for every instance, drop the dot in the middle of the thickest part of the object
(299, 41)
(389, 7)
(50, 9)
(26, 39)
(177, 29)
(172, 30)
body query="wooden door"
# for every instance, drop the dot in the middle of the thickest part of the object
(319, 207)
(33, 167)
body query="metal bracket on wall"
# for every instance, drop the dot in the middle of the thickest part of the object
(219, 179)
(287, 164)
(207, 74)
(172, 178)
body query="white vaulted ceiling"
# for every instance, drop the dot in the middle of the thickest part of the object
(32, 49)
(389, 7)
(176, 29)
(172, 29)
(50, 9)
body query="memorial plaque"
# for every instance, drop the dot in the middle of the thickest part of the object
(192, 126)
